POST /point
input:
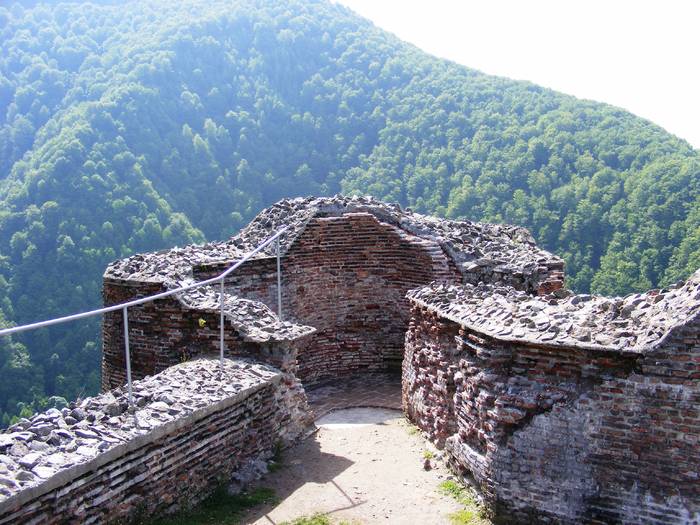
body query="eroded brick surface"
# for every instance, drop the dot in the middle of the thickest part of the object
(194, 427)
(562, 408)
(554, 430)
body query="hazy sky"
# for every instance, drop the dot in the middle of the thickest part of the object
(640, 55)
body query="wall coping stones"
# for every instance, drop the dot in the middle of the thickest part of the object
(636, 323)
(253, 320)
(508, 248)
(472, 245)
(51, 449)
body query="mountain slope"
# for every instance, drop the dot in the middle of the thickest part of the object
(131, 128)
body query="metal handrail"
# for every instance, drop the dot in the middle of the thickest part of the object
(135, 302)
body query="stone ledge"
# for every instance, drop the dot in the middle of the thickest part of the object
(243, 378)
(635, 324)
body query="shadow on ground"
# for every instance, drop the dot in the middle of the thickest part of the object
(318, 467)
(377, 390)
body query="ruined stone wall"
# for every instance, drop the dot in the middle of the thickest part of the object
(554, 432)
(165, 332)
(347, 264)
(346, 276)
(196, 426)
(428, 372)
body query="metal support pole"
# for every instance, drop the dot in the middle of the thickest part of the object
(279, 282)
(221, 326)
(128, 357)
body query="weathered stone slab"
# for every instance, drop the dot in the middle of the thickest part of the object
(554, 427)
(217, 420)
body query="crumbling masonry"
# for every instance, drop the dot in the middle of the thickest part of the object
(561, 408)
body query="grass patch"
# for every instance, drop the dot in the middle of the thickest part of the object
(412, 429)
(465, 517)
(427, 454)
(456, 491)
(472, 513)
(318, 519)
(221, 508)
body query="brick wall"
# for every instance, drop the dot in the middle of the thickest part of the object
(429, 368)
(166, 456)
(560, 433)
(346, 276)
(165, 332)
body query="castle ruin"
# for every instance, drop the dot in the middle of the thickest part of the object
(559, 407)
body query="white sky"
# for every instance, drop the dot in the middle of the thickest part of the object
(643, 56)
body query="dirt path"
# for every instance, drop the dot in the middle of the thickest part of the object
(362, 466)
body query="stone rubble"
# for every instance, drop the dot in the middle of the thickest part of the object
(475, 247)
(35, 449)
(253, 320)
(172, 267)
(480, 252)
(634, 323)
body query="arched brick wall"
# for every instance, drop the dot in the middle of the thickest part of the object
(347, 276)
(347, 264)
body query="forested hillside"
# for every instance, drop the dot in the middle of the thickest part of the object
(142, 125)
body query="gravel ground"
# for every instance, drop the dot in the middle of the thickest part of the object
(363, 466)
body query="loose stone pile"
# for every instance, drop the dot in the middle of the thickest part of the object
(477, 248)
(35, 451)
(253, 320)
(172, 267)
(633, 323)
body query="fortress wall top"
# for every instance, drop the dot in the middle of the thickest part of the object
(346, 266)
(578, 408)
(636, 323)
(97, 462)
(481, 252)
